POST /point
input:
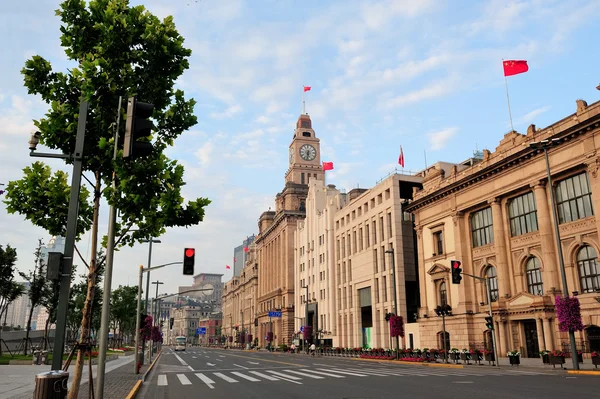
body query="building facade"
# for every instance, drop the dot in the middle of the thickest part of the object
(240, 255)
(275, 240)
(495, 216)
(206, 280)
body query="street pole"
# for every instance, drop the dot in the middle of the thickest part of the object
(154, 305)
(444, 334)
(489, 296)
(391, 252)
(71, 233)
(305, 318)
(110, 251)
(150, 241)
(137, 320)
(561, 260)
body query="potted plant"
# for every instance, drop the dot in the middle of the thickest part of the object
(596, 358)
(579, 356)
(557, 357)
(465, 355)
(454, 354)
(477, 355)
(488, 355)
(545, 355)
(514, 357)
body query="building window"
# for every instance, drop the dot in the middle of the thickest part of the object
(574, 198)
(383, 255)
(343, 246)
(587, 261)
(301, 178)
(367, 235)
(384, 288)
(375, 260)
(374, 232)
(349, 269)
(522, 212)
(490, 273)
(389, 222)
(443, 294)
(535, 285)
(438, 243)
(381, 230)
(482, 227)
(360, 239)
(376, 290)
(349, 246)
(354, 241)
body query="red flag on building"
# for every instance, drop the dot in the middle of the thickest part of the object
(306, 88)
(245, 249)
(514, 67)
(327, 165)
(401, 157)
(227, 267)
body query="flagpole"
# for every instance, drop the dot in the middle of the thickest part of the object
(425, 155)
(303, 103)
(508, 100)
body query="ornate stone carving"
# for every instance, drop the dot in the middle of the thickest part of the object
(580, 225)
(593, 165)
(525, 240)
(531, 130)
(486, 155)
(581, 106)
(486, 250)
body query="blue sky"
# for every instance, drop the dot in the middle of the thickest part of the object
(426, 75)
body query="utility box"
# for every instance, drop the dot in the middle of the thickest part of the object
(51, 385)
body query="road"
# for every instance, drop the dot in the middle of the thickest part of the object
(229, 374)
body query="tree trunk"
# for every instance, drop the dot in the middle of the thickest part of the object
(27, 330)
(46, 333)
(91, 289)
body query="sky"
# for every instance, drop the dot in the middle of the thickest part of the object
(425, 75)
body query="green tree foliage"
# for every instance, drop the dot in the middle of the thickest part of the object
(9, 289)
(117, 50)
(37, 287)
(123, 309)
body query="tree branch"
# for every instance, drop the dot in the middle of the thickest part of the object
(88, 180)
(81, 257)
(103, 259)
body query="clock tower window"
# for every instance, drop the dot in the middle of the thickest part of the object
(306, 134)
(301, 178)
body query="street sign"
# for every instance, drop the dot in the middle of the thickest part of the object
(274, 314)
(301, 329)
(201, 331)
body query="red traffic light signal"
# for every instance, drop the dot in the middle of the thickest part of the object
(456, 271)
(189, 255)
(190, 252)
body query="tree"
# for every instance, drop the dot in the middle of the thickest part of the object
(117, 50)
(9, 289)
(123, 310)
(37, 288)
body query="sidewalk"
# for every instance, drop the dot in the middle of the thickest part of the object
(18, 382)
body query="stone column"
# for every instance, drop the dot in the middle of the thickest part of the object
(500, 249)
(549, 334)
(593, 165)
(547, 240)
(422, 272)
(540, 334)
(501, 337)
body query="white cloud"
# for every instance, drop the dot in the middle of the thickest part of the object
(439, 139)
(204, 153)
(530, 116)
(230, 112)
(431, 91)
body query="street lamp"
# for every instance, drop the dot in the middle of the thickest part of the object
(393, 270)
(150, 242)
(444, 310)
(544, 145)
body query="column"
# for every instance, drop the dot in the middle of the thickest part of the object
(540, 334)
(466, 290)
(592, 167)
(547, 241)
(422, 272)
(549, 334)
(501, 337)
(500, 248)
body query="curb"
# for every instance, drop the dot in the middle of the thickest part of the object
(584, 372)
(133, 393)
(152, 365)
(442, 365)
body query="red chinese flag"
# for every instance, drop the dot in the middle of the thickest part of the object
(227, 267)
(306, 88)
(401, 157)
(327, 165)
(514, 67)
(245, 249)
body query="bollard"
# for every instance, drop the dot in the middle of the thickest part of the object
(36, 357)
(44, 357)
(51, 385)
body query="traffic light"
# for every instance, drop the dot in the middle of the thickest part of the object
(189, 255)
(138, 129)
(489, 322)
(54, 266)
(456, 271)
(142, 319)
(171, 321)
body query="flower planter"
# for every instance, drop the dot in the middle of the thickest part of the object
(455, 356)
(557, 360)
(514, 360)
(596, 361)
(546, 359)
(580, 357)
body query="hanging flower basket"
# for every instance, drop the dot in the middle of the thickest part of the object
(307, 334)
(270, 337)
(396, 326)
(568, 313)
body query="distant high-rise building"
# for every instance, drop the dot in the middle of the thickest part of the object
(202, 280)
(240, 255)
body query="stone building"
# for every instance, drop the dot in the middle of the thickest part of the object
(275, 240)
(494, 215)
(206, 280)
(239, 300)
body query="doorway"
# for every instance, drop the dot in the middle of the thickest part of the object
(531, 339)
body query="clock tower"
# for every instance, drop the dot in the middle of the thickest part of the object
(304, 154)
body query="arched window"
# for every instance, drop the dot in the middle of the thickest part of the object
(490, 273)
(535, 284)
(440, 339)
(587, 261)
(302, 206)
(443, 294)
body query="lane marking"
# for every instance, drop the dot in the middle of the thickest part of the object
(191, 368)
(221, 356)
(210, 364)
(344, 372)
(184, 380)
(253, 362)
(462, 382)
(323, 373)
(277, 373)
(224, 377)
(252, 379)
(181, 360)
(316, 377)
(219, 360)
(265, 376)
(205, 380)
(162, 380)
(242, 367)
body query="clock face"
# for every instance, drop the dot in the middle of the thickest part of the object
(291, 155)
(308, 152)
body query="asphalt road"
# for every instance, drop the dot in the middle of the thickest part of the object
(231, 374)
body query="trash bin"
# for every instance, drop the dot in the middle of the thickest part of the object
(51, 385)
(36, 357)
(44, 357)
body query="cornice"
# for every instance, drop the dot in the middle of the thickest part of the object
(283, 215)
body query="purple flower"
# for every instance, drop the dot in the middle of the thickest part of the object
(568, 312)
(396, 326)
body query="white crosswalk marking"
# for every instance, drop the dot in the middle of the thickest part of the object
(289, 377)
(184, 380)
(316, 377)
(323, 373)
(224, 377)
(206, 380)
(162, 380)
(344, 372)
(265, 376)
(247, 377)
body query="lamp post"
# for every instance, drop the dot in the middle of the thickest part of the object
(393, 270)
(150, 242)
(444, 310)
(544, 145)
(305, 316)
